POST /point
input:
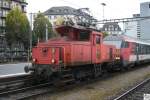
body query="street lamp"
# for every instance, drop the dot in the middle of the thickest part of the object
(103, 5)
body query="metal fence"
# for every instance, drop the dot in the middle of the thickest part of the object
(13, 56)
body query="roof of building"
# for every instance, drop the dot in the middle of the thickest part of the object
(66, 10)
(145, 2)
(136, 15)
(111, 25)
(21, 1)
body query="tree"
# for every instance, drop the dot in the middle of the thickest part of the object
(59, 21)
(17, 28)
(105, 34)
(39, 30)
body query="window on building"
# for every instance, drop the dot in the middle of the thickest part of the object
(17, 5)
(54, 17)
(0, 12)
(3, 22)
(49, 17)
(0, 22)
(116, 29)
(51, 10)
(58, 10)
(66, 10)
(5, 4)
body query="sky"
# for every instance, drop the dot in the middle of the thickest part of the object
(113, 9)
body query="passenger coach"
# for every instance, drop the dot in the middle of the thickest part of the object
(132, 51)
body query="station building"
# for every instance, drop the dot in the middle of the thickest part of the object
(145, 24)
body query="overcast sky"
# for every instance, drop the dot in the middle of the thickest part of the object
(113, 9)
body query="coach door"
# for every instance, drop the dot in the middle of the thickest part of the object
(138, 49)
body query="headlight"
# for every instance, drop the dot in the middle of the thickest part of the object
(34, 60)
(117, 58)
(53, 61)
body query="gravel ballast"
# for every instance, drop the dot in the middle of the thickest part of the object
(104, 89)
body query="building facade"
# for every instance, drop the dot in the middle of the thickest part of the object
(133, 28)
(76, 15)
(145, 24)
(5, 7)
(111, 28)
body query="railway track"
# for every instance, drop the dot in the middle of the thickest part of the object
(29, 91)
(12, 82)
(26, 92)
(24, 86)
(137, 92)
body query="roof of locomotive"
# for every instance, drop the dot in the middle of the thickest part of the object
(121, 37)
(63, 28)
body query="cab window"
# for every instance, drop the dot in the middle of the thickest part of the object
(84, 36)
(98, 39)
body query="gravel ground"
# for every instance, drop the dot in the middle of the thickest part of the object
(103, 89)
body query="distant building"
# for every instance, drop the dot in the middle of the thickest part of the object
(5, 7)
(76, 15)
(111, 28)
(133, 28)
(145, 24)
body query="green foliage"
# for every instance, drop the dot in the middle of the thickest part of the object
(59, 21)
(39, 30)
(105, 34)
(17, 28)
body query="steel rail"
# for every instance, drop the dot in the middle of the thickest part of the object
(132, 89)
(24, 88)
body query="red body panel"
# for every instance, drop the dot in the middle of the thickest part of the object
(44, 55)
(80, 53)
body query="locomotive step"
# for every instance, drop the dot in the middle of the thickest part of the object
(67, 80)
(67, 75)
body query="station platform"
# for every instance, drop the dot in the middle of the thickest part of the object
(8, 70)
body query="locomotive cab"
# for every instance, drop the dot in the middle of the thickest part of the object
(76, 46)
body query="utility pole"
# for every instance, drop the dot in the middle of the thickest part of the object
(46, 34)
(103, 5)
(31, 16)
(30, 37)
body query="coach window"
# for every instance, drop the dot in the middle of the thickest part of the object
(148, 49)
(125, 44)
